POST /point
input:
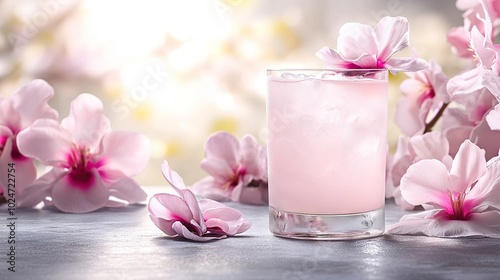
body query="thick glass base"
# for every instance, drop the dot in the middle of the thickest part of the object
(326, 227)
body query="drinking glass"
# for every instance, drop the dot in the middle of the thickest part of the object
(327, 147)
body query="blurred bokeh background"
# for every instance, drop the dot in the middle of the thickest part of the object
(204, 61)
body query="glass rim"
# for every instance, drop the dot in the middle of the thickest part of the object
(381, 74)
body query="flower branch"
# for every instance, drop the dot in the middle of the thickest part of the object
(435, 119)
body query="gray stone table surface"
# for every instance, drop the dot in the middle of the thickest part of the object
(124, 244)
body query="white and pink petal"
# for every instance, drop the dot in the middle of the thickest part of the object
(492, 82)
(9, 117)
(438, 81)
(223, 146)
(331, 58)
(459, 41)
(208, 187)
(466, 82)
(405, 64)
(414, 224)
(186, 195)
(479, 225)
(486, 191)
(169, 207)
(356, 40)
(432, 145)
(86, 121)
(30, 102)
(23, 169)
(173, 178)
(486, 138)
(426, 182)
(164, 225)
(250, 156)
(218, 168)
(401, 202)
(468, 166)
(392, 35)
(221, 219)
(409, 116)
(127, 189)
(80, 197)
(41, 188)
(47, 141)
(127, 152)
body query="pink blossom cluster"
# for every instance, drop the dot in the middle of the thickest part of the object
(237, 170)
(437, 114)
(447, 159)
(89, 166)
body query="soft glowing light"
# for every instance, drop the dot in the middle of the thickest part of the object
(131, 29)
(188, 56)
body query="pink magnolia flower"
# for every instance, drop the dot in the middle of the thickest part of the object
(90, 162)
(182, 215)
(474, 13)
(360, 46)
(431, 145)
(463, 200)
(238, 170)
(26, 105)
(423, 93)
(486, 53)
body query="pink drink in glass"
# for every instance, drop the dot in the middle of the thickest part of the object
(327, 143)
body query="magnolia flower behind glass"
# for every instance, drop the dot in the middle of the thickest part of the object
(360, 46)
(238, 170)
(26, 105)
(90, 163)
(182, 215)
(425, 92)
(461, 200)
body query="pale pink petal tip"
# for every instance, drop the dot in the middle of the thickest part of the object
(172, 177)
